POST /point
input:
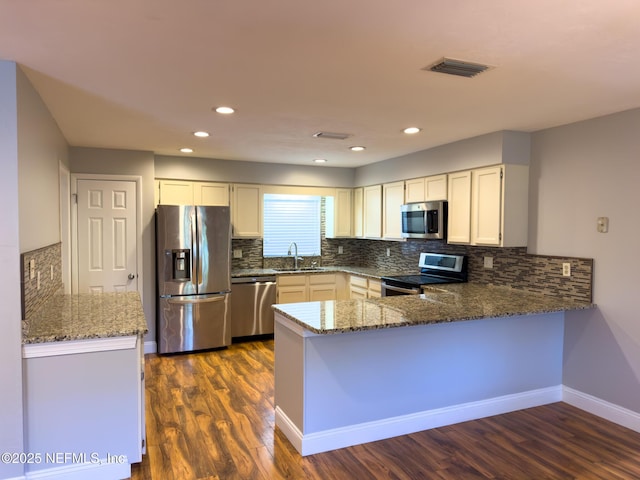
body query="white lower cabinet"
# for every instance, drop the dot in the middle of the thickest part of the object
(306, 288)
(363, 287)
(87, 406)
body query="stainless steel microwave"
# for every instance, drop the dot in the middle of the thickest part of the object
(425, 220)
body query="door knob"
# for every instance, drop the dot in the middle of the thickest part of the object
(131, 276)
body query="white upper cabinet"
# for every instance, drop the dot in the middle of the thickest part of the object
(426, 189)
(175, 192)
(414, 190)
(246, 211)
(184, 192)
(339, 213)
(489, 206)
(372, 212)
(435, 188)
(392, 200)
(211, 194)
(459, 203)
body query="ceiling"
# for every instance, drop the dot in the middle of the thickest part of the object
(145, 74)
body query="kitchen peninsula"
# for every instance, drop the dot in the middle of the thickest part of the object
(83, 354)
(354, 371)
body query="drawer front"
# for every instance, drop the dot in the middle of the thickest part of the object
(292, 280)
(324, 278)
(375, 285)
(358, 281)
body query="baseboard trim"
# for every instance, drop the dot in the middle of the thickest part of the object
(403, 425)
(101, 470)
(601, 408)
(150, 347)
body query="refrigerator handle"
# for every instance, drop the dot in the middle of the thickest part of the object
(191, 300)
(195, 250)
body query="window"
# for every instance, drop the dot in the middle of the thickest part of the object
(291, 218)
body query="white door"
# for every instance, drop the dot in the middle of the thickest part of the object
(107, 236)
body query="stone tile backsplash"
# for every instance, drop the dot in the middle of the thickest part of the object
(512, 267)
(46, 260)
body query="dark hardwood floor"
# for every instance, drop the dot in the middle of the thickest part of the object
(210, 416)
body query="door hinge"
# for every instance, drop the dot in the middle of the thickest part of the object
(501, 174)
(143, 443)
(500, 236)
(141, 376)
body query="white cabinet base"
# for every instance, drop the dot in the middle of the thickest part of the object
(333, 391)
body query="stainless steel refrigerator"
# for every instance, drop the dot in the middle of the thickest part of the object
(194, 277)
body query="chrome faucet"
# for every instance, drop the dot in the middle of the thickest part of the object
(295, 255)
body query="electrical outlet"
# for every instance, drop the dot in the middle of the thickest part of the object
(340, 250)
(32, 269)
(388, 252)
(488, 262)
(237, 253)
(566, 269)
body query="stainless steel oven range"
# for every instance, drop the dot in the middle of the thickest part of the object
(435, 268)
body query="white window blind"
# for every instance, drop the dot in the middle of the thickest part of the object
(291, 218)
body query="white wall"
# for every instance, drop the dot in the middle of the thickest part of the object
(11, 411)
(578, 173)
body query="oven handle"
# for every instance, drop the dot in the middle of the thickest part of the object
(407, 291)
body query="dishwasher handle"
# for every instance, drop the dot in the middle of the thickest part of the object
(240, 280)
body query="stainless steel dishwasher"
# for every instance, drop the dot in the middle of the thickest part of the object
(251, 300)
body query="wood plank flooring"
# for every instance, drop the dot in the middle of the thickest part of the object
(210, 416)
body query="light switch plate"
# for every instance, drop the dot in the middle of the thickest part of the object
(488, 262)
(237, 253)
(603, 224)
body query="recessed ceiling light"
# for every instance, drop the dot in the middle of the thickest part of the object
(411, 130)
(201, 134)
(186, 150)
(225, 110)
(356, 148)
(320, 160)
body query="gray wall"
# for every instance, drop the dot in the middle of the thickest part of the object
(186, 168)
(578, 173)
(491, 149)
(128, 162)
(41, 148)
(11, 409)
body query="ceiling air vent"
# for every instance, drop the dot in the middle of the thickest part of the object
(457, 67)
(332, 135)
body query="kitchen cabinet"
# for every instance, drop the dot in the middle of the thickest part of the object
(322, 287)
(363, 287)
(306, 287)
(490, 207)
(459, 206)
(175, 192)
(292, 289)
(183, 192)
(358, 212)
(392, 200)
(211, 194)
(372, 211)
(89, 394)
(426, 189)
(339, 213)
(246, 210)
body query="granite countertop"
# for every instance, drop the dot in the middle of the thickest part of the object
(442, 304)
(86, 316)
(363, 271)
